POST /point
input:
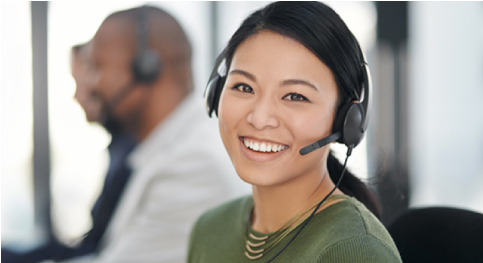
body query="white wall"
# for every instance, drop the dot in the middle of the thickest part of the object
(446, 116)
(16, 123)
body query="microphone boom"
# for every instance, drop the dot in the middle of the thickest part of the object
(320, 143)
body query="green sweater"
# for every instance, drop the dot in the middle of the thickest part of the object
(343, 232)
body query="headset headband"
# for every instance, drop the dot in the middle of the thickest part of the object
(367, 93)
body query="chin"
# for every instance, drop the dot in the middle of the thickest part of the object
(262, 177)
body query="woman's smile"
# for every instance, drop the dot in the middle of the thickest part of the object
(261, 150)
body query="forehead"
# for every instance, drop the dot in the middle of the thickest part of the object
(116, 36)
(271, 54)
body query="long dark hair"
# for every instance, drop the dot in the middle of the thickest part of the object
(322, 31)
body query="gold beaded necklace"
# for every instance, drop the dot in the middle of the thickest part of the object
(257, 246)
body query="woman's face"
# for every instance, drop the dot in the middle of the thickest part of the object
(278, 98)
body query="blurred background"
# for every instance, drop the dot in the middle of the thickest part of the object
(423, 147)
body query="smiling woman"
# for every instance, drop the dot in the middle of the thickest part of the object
(295, 74)
(276, 100)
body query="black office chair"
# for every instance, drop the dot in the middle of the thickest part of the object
(440, 235)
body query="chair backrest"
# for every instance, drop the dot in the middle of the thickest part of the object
(439, 234)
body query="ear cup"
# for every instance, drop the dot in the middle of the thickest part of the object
(212, 94)
(146, 66)
(349, 120)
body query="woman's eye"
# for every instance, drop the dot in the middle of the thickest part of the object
(243, 88)
(295, 97)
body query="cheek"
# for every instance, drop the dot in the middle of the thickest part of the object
(231, 109)
(107, 82)
(311, 126)
(229, 116)
(113, 77)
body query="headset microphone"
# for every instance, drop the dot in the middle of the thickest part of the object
(121, 94)
(109, 105)
(316, 145)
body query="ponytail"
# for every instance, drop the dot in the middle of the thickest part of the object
(353, 186)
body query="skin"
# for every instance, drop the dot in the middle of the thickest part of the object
(113, 49)
(84, 87)
(287, 99)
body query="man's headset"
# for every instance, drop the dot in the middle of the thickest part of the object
(146, 65)
(349, 126)
(350, 123)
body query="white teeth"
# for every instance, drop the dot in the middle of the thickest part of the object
(263, 147)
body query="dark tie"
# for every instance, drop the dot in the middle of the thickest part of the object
(117, 176)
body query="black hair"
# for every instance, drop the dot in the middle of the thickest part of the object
(322, 31)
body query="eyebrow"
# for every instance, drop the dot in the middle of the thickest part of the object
(298, 82)
(243, 73)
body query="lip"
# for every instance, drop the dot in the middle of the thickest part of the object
(260, 156)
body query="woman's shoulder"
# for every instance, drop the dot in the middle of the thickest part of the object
(371, 224)
(355, 229)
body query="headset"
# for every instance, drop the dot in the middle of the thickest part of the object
(349, 125)
(146, 65)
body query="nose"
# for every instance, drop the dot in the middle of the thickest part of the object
(264, 115)
(77, 93)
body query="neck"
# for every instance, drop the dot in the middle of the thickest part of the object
(160, 103)
(277, 205)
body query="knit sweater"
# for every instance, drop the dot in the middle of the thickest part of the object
(343, 232)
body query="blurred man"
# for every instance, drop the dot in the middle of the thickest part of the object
(142, 74)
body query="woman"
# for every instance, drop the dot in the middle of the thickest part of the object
(292, 69)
